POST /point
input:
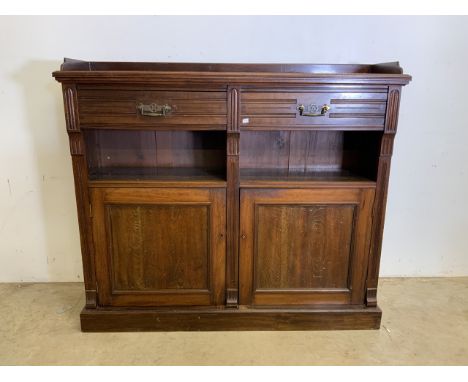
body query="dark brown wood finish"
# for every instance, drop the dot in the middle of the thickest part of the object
(70, 64)
(304, 246)
(301, 153)
(318, 318)
(80, 173)
(157, 247)
(232, 264)
(116, 108)
(197, 74)
(129, 154)
(386, 150)
(350, 108)
(230, 196)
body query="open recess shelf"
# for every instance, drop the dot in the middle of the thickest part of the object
(142, 155)
(293, 157)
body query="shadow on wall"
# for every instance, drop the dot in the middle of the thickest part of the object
(43, 106)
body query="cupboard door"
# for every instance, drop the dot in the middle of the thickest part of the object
(159, 246)
(304, 246)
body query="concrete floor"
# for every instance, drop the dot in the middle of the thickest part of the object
(425, 322)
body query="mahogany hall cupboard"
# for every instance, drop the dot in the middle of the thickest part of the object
(230, 196)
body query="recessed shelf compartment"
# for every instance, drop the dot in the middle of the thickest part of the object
(282, 157)
(123, 155)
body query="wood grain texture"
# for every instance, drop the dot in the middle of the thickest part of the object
(304, 246)
(70, 64)
(383, 174)
(233, 211)
(159, 247)
(76, 143)
(307, 154)
(199, 73)
(283, 178)
(278, 109)
(325, 318)
(153, 155)
(155, 247)
(118, 108)
(182, 180)
(86, 235)
(71, 107)
(80, 175)
(391, 120)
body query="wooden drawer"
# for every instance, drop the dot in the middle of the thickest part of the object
(123, 108)
(348, 109)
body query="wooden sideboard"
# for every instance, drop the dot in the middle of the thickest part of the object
(230, 196)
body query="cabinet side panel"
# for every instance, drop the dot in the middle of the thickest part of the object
(80, 174)
(383, 173)
(304, 246)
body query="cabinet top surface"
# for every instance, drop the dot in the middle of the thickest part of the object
(89, 71)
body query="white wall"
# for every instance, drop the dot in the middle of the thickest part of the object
(427, 218)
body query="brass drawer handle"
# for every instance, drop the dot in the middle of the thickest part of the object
(312, 110)
(154, 110)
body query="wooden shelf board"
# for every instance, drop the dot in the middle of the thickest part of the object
(151, 176)
(292, 179)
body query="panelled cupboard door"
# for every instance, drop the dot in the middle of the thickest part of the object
(159, 246)
(304, 246)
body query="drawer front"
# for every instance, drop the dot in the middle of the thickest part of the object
(152, 108)
(330, 109)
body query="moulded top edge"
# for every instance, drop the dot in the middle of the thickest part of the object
(77, 68)
(229, 78)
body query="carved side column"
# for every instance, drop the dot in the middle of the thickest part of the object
(383, 172)
(80, 173)
(232, 263)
